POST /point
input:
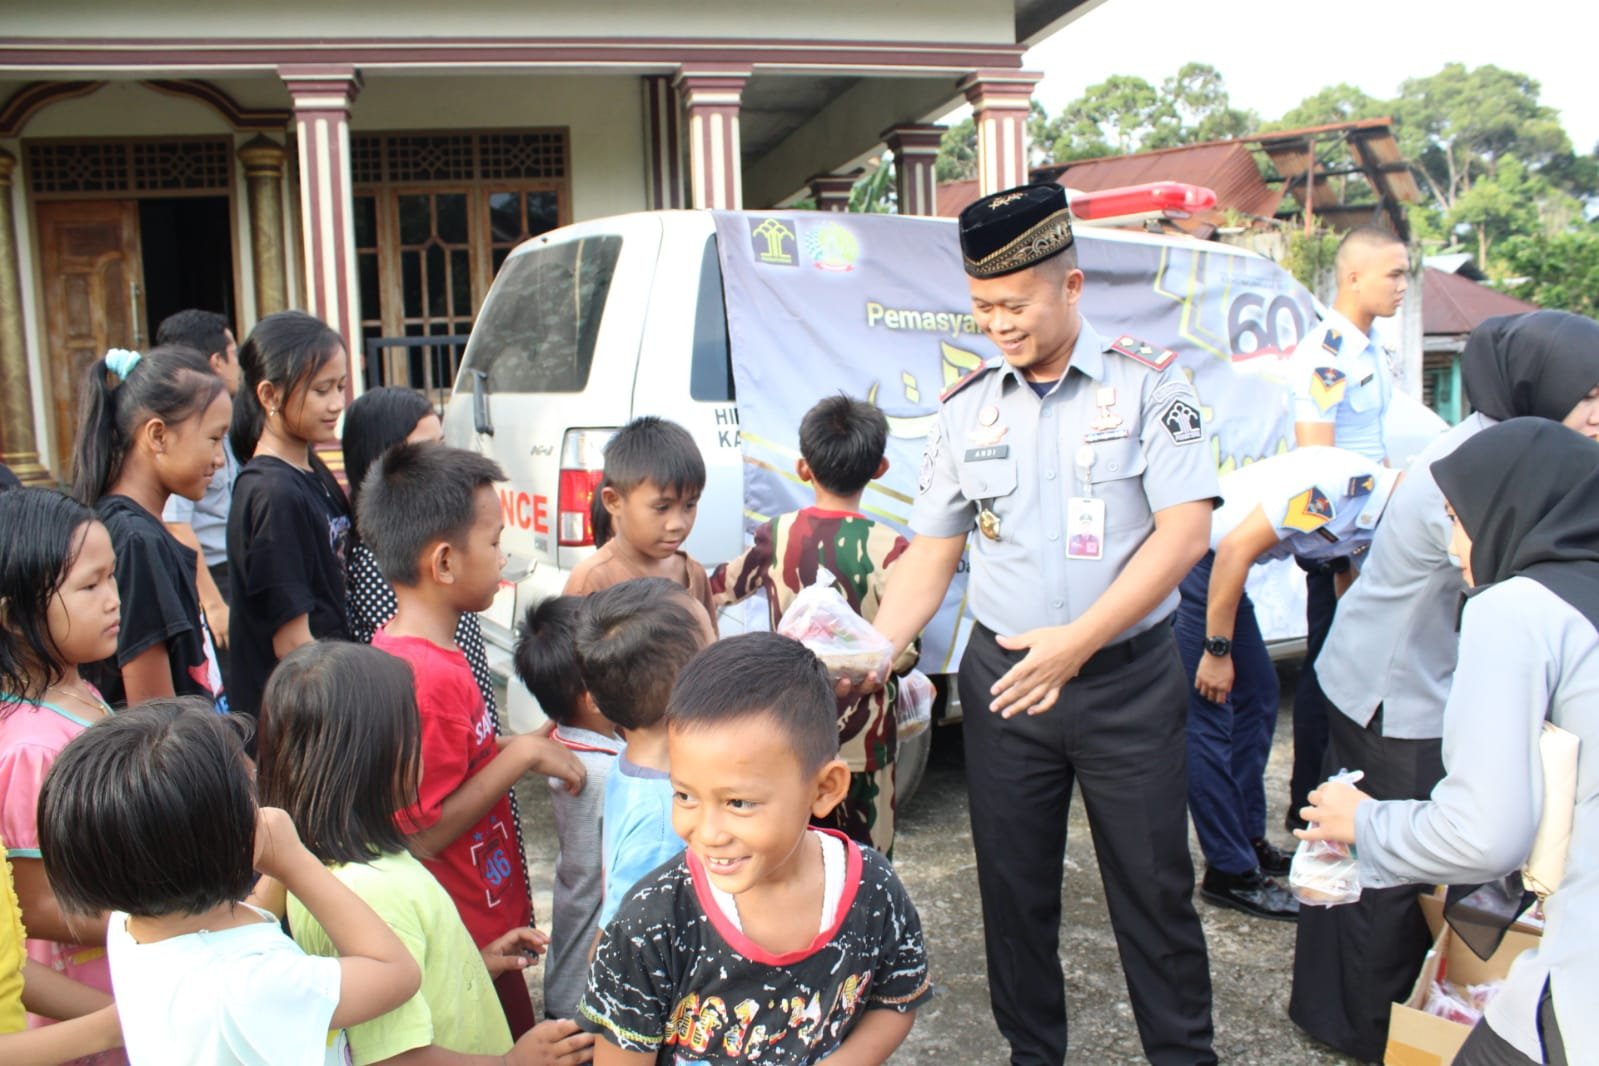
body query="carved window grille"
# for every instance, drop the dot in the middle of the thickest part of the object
(411, 158)
(155, 166)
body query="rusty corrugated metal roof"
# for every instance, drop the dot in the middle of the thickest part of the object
(1454, 305)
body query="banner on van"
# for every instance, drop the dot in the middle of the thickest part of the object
(877, 306)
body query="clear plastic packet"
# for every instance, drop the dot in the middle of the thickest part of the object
(1325, 874)
(822, 619)
(1446, 1000)
(913, 711)
(1479, 996)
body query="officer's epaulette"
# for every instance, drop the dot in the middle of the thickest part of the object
(1332, 342)
(1140, 352)
(944, 396)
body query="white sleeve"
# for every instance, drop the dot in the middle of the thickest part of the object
(1481, 818)
(280, 1007)
(178, 509)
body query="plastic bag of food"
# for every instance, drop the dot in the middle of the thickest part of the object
(1445, 1000)
(822, 619)
(913, 712)
(1326, 874)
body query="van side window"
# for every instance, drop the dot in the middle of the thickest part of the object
(710, 375)
(536, 332)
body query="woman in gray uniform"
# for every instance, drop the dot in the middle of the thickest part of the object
(1525, 500)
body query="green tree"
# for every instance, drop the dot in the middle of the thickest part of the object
(876, 193)
(1336, 103)
(957, 152)
(1558, 271)
(1458, 124)
(1114, 117)
(1197, 108)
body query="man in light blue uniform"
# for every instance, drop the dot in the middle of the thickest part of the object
(1316, 503)
(1342, 381)
(1082, 466)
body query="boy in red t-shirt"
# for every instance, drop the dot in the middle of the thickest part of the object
(432, 520)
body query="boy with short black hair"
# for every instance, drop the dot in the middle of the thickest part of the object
(546, 661)
(769, 940)
(632, 640)
(654, 475)
(842, 441)
(431, 517)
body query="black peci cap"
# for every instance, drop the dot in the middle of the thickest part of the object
(1015, 229)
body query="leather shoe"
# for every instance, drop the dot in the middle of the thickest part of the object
(1274, 861)
(1253, 893)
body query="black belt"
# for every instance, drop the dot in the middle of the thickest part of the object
(1106, 659)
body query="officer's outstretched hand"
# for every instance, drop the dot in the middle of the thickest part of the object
(1054, 655)
(1214, 679)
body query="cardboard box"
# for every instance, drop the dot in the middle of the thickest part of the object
(1416, 1038)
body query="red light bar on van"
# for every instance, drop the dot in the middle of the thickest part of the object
(574, 527)
(1169, 199)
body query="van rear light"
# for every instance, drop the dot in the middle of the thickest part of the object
(574, 528)
(582, 470)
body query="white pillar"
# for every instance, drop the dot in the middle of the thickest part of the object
(1000, 101)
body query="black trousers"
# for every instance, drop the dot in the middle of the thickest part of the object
(1311, 707)
(1484, 1047)
(1352, 962)
(1118, 730)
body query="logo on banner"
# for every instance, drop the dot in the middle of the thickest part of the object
(831, 246)
(773, 241)
(1309, 511)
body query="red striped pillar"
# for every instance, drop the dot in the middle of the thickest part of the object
(831, 191)
(915, 149)
(711, 100)
(322, 96)
(663, 144)
(1000, 101)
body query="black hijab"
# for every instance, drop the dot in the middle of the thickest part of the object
(1527, 493)
(1539, 363)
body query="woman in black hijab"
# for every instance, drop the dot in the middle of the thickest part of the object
(1388, 662)
(1524, 497)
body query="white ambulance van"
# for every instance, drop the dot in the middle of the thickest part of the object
(593, 324)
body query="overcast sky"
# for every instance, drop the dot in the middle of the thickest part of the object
(1270, 66)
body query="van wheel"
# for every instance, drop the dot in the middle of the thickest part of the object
(910, 762)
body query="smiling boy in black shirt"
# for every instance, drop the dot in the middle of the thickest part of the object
(766, 941)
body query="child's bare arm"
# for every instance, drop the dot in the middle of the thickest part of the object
(527, 753)
(610, 1055)
(377, 972)
(149, 675)
(58, 996)
(44, 918)
(63, 1041)
(549, 1043)
(874, 1039)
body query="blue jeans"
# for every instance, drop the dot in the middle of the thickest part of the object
(1228, 743)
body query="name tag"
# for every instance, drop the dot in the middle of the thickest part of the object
(993, 451)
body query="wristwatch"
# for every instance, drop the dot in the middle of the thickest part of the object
(1221, 647)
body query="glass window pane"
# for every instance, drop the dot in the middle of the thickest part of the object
(367, 264)
(436, 282)
(416, 219)
(451, 208)
(411, 284)
(543, 212)
(366, 221)
(498, 258)
(460, 282)
(539, 326)
(505, 219)
(710, 375)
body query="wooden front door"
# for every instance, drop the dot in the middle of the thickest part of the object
(93, 283)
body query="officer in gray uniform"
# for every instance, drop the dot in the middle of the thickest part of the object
(1080, 468)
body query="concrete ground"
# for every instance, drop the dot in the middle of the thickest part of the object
(1250, 960)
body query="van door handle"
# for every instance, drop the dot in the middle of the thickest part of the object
(480, 404)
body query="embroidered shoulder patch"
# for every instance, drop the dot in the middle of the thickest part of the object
(1182, 422)
(1142, 352)
(1327, 386)
(1332, 342)
(944, 396)
(1361, 486)
(1308, 511)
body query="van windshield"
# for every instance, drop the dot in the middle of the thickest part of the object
(537, 330)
